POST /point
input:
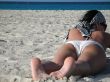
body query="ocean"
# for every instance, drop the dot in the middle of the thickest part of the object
(54, 5)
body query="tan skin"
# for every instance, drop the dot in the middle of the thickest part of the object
(66, 62)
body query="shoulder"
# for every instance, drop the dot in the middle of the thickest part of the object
(100, 33)
(107, 36)
(102, 37)
(107, 39)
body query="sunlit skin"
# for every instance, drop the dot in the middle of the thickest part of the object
(66, 62)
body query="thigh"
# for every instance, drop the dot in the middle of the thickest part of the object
(94, 56)
(63, 52)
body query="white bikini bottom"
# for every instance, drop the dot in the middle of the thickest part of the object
(80, 45)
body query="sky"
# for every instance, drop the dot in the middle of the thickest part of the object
(58, 0)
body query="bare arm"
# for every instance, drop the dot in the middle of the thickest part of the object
(107, 40)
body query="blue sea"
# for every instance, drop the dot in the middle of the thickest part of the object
(54, 5)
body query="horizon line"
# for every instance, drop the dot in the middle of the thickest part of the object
(48, 2)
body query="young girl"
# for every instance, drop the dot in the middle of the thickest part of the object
(83, 52)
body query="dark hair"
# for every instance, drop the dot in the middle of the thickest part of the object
(105, 25)
(89, 15)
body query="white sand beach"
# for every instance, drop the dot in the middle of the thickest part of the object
(38, 33)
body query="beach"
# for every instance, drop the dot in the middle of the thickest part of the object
(25, 34)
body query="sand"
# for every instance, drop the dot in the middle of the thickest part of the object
(38, 33)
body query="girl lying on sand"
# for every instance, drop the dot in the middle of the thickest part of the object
(83, 52)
